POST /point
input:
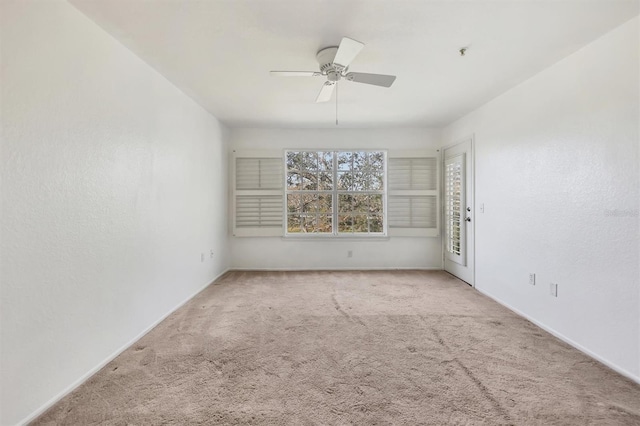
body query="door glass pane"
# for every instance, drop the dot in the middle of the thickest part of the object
(453, 202)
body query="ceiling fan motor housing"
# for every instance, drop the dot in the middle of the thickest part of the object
(325, 58)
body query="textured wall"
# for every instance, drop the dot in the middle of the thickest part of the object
(279, 253)
(113, 184)
(557, 170)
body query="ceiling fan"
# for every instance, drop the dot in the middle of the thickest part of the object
(334, 63)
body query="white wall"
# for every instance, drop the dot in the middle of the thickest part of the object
(278, 253)
(113, 183)
(557, 169)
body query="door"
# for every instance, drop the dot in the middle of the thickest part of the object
(458, 208)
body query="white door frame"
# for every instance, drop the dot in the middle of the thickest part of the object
(470, 196)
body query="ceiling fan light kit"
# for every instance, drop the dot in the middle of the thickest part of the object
(334, 63)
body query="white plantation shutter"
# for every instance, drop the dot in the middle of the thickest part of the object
(259, 173)
(412, 193)
(258, 194)
(453, 204)
(412, 211)
(258, 211)
(413, 174)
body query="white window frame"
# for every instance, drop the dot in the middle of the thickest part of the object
(335, 192)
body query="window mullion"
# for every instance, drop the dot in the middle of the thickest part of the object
(334, 195)
(365, 214)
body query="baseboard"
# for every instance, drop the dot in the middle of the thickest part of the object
(111, 357)
(349, 268)
(564, 338)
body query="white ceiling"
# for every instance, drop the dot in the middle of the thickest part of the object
(220, 52)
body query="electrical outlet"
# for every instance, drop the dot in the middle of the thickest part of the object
(201, 257)
(532, 279)
(554, 289)
(350, 253)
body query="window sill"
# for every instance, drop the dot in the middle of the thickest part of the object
(334, 238)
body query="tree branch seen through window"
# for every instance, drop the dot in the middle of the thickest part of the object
(335, 192)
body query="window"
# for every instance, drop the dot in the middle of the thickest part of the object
(332, 193)
(337, 193)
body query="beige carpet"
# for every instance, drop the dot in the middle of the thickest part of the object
(338, 348)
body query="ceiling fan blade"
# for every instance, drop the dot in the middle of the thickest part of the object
(375, 79)
(347, 51)
(326, 91)
(295, 73)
